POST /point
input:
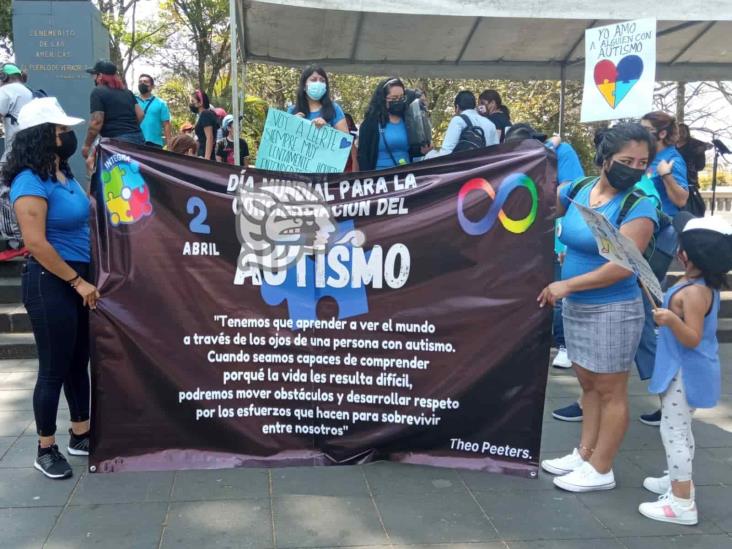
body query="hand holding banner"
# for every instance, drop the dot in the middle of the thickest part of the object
(621, 250)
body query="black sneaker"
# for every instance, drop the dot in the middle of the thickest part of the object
(78, 445)
(652, 419)
(52, 463)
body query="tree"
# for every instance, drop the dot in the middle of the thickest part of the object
(203, 26)
(6, 27)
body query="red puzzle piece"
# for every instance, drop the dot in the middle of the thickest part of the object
(140, 202)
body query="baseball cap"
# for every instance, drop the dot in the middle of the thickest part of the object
(227, 121)
(44, 110)
(706, 240)
(220, 112)
(10, 69)
(186, 127)
(103, 67)
(521, 131)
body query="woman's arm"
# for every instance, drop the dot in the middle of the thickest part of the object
(639, 231)
(31, 213)
(676, 193)
(342, 125)
(208, 130)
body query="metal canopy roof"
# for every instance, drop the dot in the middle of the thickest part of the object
(498, 39)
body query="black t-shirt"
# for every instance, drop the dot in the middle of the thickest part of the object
(118, 107)
(501, 120)
(205, 119)
(225, 150)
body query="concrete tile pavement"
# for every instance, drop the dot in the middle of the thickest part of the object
(373, 506)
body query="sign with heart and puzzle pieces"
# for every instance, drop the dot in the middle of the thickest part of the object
(620, 70)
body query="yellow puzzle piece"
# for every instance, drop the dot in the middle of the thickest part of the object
(119, 210)
(607, 89)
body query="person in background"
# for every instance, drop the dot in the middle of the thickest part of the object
(352, 162)
(464, 105)
(569, 169)
(687, 371)
(492, 106)
(183, 143)
(187, 128)
(14, 95)
(313, 100)
(114, 109)
(225, 146)
(206, 124)
(156, 121)
(382, 138)
(668, 175)
(694, 154)
(53, 212)
(220, 115)
(603, 309)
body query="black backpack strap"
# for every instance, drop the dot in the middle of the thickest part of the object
(382, 133)
(473, 127)
(152, 100)
(578, 185)
(467, 121)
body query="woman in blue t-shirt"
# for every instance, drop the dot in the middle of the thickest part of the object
(382, 139)
(314, 102)
(603, 309)
(53, 213)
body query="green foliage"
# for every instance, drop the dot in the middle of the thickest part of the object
(6, 27)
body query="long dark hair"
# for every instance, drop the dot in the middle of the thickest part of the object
(377, 106)
(327, 111)
(664, 121)
(493, 95)
(35, 149)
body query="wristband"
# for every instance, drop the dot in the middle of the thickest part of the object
(71, 282)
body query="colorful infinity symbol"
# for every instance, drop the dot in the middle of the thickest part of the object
(508, 185)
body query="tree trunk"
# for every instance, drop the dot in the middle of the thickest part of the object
(680, 102)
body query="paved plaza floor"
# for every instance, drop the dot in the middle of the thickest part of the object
(377, 505)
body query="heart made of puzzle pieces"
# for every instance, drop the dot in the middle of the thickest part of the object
(614, 82)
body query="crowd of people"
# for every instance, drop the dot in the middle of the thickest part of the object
(602, 323)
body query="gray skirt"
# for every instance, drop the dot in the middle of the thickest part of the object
(603, 338)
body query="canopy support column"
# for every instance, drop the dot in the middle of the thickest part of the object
(562, 98)
(234, 81)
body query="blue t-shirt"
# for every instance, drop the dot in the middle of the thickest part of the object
(67, 220)
(679, 172)
(582, 253)
(152, 124)
(569, 168)
(337, 117)
(396, 137)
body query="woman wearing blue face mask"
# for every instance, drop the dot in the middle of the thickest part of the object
(314, 103)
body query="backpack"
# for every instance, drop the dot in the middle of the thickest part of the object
(662, 247)
(471, 138)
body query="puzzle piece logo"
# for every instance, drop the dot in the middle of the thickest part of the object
(615, 82)
(126, 195)
(302, 302)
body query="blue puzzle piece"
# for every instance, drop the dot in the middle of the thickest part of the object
(302, 303)
(131, 175)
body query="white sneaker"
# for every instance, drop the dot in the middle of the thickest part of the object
(563, 465)
(562, 360)
(668, 508)
(657, 485)
(586, 479)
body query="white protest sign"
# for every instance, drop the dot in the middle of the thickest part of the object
(620, 249)
(620, 70)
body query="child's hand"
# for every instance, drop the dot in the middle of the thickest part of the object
(664, 317)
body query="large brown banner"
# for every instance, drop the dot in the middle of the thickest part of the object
(259, 318)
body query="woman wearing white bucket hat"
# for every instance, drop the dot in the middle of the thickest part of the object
(53, 213)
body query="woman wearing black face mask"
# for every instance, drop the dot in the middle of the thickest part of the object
(53, 211)
(206, 124)
(603, 309)
(383, 139)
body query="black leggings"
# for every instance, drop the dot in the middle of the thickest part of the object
(61, 329)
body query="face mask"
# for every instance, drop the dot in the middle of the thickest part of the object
(144, 88)
(315, 90)
(194, 108)
(68, 145)
(397, 107)
(622, 177)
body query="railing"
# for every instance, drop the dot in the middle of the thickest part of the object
(723, 201)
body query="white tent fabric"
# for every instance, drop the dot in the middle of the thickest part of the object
(501, 39)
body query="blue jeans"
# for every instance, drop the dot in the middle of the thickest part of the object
(558, 324)
(135, 137)
(61, 328)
